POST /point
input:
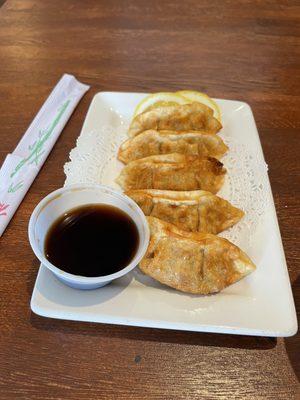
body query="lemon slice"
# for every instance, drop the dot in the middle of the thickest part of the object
(193, 95)
(161, 99)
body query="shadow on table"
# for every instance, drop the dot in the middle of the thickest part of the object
(146, 334)
(292, 344)
(152, 334)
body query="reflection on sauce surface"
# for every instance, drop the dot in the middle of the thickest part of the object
(92, 240)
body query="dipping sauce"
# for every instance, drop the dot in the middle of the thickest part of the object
(92, 240)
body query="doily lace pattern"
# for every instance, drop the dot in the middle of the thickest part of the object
(94, 160)
(246, 187)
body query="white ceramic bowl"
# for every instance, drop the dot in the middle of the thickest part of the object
(62, 200)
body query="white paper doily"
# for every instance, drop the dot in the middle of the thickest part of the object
(245, 187)
(94, 160)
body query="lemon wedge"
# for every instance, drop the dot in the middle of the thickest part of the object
(161, 99)
(193, 95)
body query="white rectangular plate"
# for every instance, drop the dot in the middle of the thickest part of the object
(261, 304)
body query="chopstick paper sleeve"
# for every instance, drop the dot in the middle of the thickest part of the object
(20, 168)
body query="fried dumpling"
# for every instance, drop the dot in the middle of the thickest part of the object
(195, 211)
(198, 263)
(173, 172)
(186, 117)
(154, 142)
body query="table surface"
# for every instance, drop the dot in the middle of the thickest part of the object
(246, 50)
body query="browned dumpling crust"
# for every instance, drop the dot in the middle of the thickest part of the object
(194, 211)
(186, 117)
(154, 142)
(198, 263)
(173, 172)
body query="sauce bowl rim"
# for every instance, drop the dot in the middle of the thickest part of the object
(79, 278)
